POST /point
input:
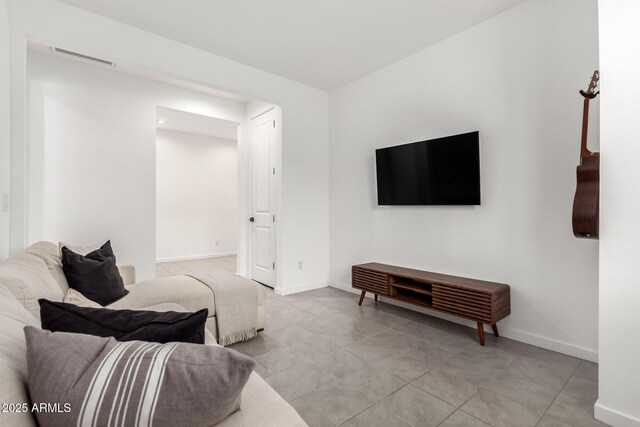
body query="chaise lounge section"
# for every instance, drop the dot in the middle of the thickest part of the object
(183, 290)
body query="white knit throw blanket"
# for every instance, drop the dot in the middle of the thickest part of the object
(236, 302)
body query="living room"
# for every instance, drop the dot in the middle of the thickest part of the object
(509, 70)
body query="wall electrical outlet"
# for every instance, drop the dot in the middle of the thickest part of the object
(300, 265)
(217, 242)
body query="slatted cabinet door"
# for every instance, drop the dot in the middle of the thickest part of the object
(463, 302)
(371, 281)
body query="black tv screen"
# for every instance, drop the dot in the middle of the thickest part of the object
(442, 171)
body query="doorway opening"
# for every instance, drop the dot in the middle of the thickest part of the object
(196, 193)
(217, 194)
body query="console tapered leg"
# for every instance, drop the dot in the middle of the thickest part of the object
(361, 297)
(495, 330)
(376, 297)
(481, 333)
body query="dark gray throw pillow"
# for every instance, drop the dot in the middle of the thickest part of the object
(95, 275)
(124, 325)
(106, 382)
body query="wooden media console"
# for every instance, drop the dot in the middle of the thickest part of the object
(477, 300)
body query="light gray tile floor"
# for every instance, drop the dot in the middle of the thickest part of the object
(382, 365)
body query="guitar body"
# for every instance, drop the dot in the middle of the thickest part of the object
(586, 201)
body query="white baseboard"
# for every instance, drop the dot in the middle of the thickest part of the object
(516, 334)
(192, 257)
(301, 288)
(613, 417)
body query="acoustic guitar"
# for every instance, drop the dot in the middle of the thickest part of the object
(587, 198)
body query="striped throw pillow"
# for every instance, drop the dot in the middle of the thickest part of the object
(83, 380)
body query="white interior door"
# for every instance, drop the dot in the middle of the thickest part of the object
(263, 220)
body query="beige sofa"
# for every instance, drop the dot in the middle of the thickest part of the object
(182, 290)
(33, 274)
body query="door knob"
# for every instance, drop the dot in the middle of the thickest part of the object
(252, 219)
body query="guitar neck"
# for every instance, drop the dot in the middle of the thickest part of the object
(584, 151)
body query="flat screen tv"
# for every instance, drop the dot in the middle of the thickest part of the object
(442, 171)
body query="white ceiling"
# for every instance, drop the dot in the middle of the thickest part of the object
(182, 121)
(323, 43)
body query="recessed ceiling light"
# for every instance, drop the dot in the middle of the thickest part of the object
(161, 122)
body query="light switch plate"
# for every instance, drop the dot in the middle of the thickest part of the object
(5, 202)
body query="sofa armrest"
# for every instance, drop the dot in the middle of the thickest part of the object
(128, 273)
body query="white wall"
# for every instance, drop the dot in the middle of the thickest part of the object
(304, 205)
(197, 195)
(515, 78)
(5, 122)
(619, 395)
(92, 157)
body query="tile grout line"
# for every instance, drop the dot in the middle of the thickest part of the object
(465, 412)
(375, 403)
(560, 391)
(482, 387)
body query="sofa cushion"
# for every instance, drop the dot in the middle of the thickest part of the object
(174, 384)
(13, 365)
(28, 278)
(124, 325)
(193, 294)
(182, 290)
(95, 275)
(79, 249)
(50, 254)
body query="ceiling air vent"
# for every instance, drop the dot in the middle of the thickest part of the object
(85, 57)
